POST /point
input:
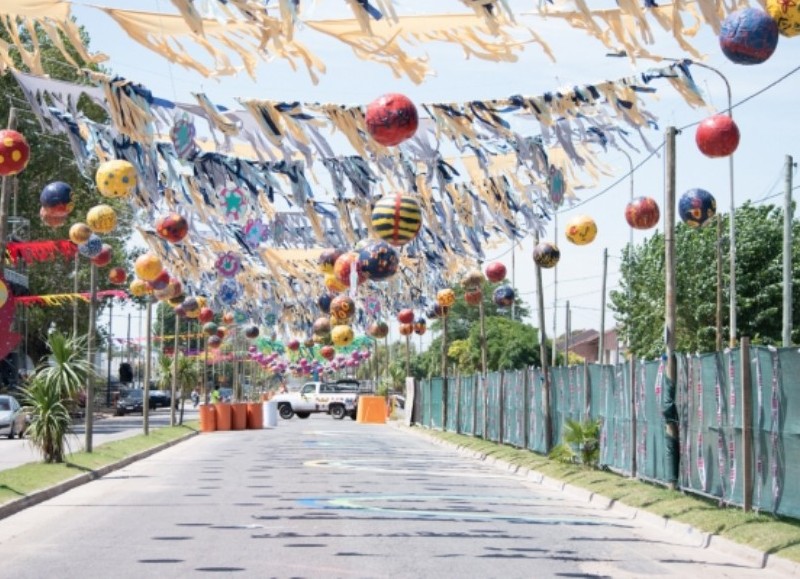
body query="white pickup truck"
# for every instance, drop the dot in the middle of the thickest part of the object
(339, 399)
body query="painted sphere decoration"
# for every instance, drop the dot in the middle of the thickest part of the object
(147, 266)
(172, 227)
(379, 260)
(503, 296)
(436, 311)
(472, 280)
(214, 342)
(322, 326)
(342, 308)
(642, 213)
(750, 36)
(696, 207)
(79, 233)
(581, 230)
(227, 318)
(420, 326)
(222, 331)
(397, 219)
(115, 178)
(173, 290)
(179, 311)
(161, 281)
(251, 332)
(210, 329)
(405, 316)
(92, 247)
(102, 219)
(206, 315)
(473, 298)
(327, 258)
(717, 136)
(308, 342)
(117, 275)
(57, 195)
(446, 297)
(378, 330)
(546, 255)
(139, 288)
(293, 345)
(51, 219)
(344, 267)
(327, 352)
(391, 119)
(406, 329)
(14, 152)
(177, 300)
(324, 303)
(332, 284)
(342, 336)
(191, 306)
(495, 272)
(786, 15)
(103, 258)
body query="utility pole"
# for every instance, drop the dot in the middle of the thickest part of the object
(788, 217)
(555, 292)
(601, 342)
(669, 408)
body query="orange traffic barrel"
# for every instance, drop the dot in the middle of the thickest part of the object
(239, 416)
(223, 411)
(208, 418)
(255, 415)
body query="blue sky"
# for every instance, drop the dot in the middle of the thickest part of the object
(767, 122)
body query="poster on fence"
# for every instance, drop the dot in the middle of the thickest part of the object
(409, 406)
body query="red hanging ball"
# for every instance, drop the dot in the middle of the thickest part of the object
(391, 119)
(717, 136)
(14, 152)
(495, 272)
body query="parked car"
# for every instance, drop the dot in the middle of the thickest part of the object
(12, 418)
(131, 401)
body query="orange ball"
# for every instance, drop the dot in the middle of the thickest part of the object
(148, 267)
(79, 233)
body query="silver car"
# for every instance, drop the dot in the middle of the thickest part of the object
(12, 419)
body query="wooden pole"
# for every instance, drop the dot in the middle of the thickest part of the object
(444, 372)
(747, 425)
(669, 407)
(408, 356)
(601, 342)
(632, 388)
(89, 345)
(788, 217)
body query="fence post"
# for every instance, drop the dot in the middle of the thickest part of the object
(486, 407)
(501, 408)
(747, 425)
(475, 385)
(587, 393)
(526, 404)
(458, 403)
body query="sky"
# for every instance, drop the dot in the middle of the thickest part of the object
(767, 123)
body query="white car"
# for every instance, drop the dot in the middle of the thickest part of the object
(12, 419)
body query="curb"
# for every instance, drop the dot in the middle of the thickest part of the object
(36, 497)
(705, 540)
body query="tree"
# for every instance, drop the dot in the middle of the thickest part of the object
(639, 304)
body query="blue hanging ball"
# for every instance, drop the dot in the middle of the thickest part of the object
(378, 260)
(748, 36)
(696, 207)
(503, 296)
(324, 303)
(92, 247)
(55, 194)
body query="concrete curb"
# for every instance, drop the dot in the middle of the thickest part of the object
(704, 540)
(17, 505)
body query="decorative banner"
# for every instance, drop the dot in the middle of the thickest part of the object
(63, 299)
(33, 251)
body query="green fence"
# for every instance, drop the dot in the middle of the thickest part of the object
(508, 407)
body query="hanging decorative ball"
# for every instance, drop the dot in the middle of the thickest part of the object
(436, 312)
(177, 300)
(206, 315)
(210, 329)
(172, 227)
(322, 326)
(378, 260)
(342, 308)
(342, 336)
(103, 258)
(546, 254)
(182, 134)
(161, 281)
(324, 303)
(57, 197)
(397, 218)
(116, 178)
(495, 272)
(173, 289)
(696, 207)
(179, 311)
(378, 330)
(581, 230)
(406, 329)
(251, 332)
(117, 275)
(308, 342)
(472, 280)
(51, 219)
(391, 119)
(214, 342)
(642, 213)
(717, 136)
(786, 16)
(233, 203)
(332, 284)
(750, 36)
(503, 296)
(293, 345)
(222, 331)
(327, 259)
(473, 298)
(446, 297)
(79, 233)
(101, 219)
(227, 318)
(147, 266)
(420, 326)
(92, 247)
(228, 264)
(139, 288)
(405, 316)
(327, 352)
(14, 153)
(343, 268)
(191, 306)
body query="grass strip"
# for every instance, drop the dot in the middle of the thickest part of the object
(23, 480)
(771, 534)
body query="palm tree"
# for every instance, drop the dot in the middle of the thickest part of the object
(188, 377)
(67, 368)
(581, 443)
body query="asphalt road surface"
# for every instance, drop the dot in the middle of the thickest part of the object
(326, 498)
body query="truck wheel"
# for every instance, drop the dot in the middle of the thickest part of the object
(285, 411)
(303, 414)
(353, 414)
(337, 411)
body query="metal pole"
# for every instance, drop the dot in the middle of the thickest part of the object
(747, 426)
(788, 217)
(148, 354)
(75, 303)
(567, 332)
(719, 285)
(110, 351)
(483, 336)
(630, 254)
(408, 356)
(548, 419)
(601, 342)
(513, 275)
(669, 408)
(174, 372)
(444, 372)
(89, 343)
(128, 345)
(555, 292)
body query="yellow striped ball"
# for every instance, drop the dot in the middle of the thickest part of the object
(342, 336)
(397, 219)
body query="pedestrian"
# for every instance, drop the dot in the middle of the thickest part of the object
(216, 396)
(282, 389)
(195, 397)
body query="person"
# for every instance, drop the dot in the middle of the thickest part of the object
(195, 397)
(216, 396)
(282, 389)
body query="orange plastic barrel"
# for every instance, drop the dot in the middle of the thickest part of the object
(239, 416)
(255, 415)
(208, 418)
(223, 412)
(371, 409)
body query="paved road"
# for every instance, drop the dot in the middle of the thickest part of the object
(18, 451)
(326, 498)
